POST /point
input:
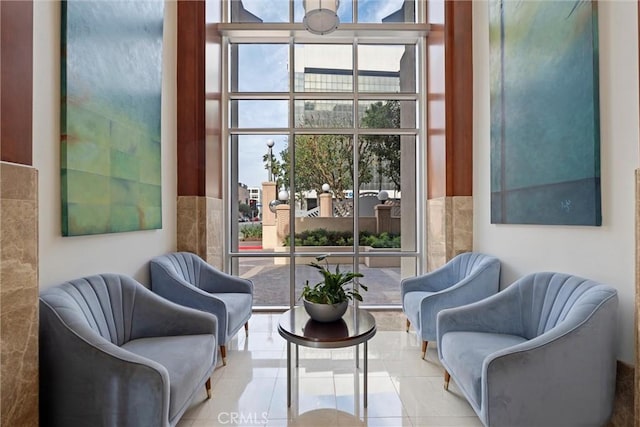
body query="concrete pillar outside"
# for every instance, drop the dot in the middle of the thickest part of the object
(383, 218)
(282, 224)
(268, 194)
(269, 232)
(325, 201)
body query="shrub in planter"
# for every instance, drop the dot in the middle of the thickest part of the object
(251, 232)
(323, 237)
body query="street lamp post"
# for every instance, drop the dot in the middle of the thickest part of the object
(270, 144)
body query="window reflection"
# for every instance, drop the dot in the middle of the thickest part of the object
(323, 68)
(329, 114)
(386, 68)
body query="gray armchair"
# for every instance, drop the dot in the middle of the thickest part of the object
(185, 278)
(540, 353)
(466, 278)
(113, 353)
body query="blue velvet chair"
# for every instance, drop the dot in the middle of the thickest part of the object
(113, 353)
(540, 353)
(185, 278)
(466, 278)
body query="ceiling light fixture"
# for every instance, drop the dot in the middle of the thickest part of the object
(321, 16)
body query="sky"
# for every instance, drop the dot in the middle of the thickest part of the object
(277, 10)
(264, 68)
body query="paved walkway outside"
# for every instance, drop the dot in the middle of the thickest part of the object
(272, 281)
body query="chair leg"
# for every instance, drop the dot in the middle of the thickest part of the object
(223, 353)
(207, 385)
(408, 324)
(246, 329)
(447, 377)
(424, 348)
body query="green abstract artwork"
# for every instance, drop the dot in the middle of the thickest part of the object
(111, 64)
(545, 115)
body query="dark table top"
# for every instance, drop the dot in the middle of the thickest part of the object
(355, 327)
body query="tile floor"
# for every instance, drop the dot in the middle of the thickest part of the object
(404, 390)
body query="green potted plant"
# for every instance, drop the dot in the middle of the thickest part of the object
(327, 300)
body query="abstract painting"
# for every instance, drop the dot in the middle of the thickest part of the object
(111, 81)
(545, 117)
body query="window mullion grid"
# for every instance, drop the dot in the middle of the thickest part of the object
(292, 96)
(292, 159)
(356, 159)
(291, 11)
(226, 150)
(276, 32)
(354, 11)
(340, 96)
(421, 151)
(258, 131)
(258, 96)
(226, 15)
(418, 10)
(335, 131)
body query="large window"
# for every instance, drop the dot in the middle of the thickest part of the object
(324, 145)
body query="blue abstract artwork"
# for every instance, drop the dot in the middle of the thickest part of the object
(545, 118)
(111, 72)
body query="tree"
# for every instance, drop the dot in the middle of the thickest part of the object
(244, 209)
(279, 169)
(386, 148)
(328, 159)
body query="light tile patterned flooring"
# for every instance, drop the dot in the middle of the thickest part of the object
(404, 390)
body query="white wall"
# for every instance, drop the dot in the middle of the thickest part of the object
(65, 258)
(603, 253)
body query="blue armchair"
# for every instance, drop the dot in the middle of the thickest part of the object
(540, 353)
(466, 278)
(113, 353)
(185, 278)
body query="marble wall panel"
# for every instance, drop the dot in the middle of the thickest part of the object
(201, 228)
(18, 295)
(215, 232)
(626, 410)
(436, 233)
(462, 224)
(188, 238)
(623, 408)
(449, 229)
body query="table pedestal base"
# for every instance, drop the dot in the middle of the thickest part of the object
(365, 366)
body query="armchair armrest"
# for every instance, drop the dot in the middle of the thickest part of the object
(469, 290)
(75, 362)
(433, 281)
(156, 316)
(213, 280)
